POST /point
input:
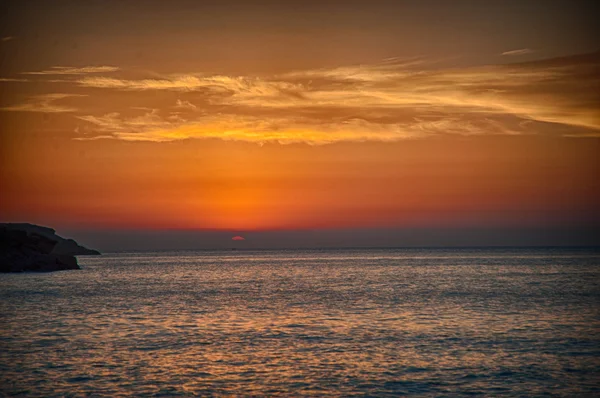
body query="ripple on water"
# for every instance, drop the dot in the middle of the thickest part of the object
(509, 322)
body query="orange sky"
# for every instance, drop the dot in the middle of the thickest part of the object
(167, 123)
(242, 186)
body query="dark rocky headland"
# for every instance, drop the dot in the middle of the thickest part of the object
(29, 247)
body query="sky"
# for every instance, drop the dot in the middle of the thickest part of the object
(132, 125)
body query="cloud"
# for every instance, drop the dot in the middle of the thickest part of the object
(285, 130)
(185, 105)
(114, 123)
(44, 103)
(521, 51)
(7, 38)
(6, 79)
(238, 238)
(69, 70)
(388, 101)
(390, 68)
(216, 86)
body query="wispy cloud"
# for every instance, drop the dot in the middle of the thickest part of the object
(253, 86)
(45, 103)
(69, 70)
(8, 79)
(521, 51)
(389, 69)
(152, 127)
(7, 38)
(185, 105)
(392, 100)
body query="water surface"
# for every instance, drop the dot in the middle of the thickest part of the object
(381, 322)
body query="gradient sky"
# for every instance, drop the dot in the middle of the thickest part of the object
(302, 123)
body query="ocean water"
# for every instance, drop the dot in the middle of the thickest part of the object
(381, 322)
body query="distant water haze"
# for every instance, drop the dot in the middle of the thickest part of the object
(151, 240)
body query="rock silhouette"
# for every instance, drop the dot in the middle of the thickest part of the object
(29, 247)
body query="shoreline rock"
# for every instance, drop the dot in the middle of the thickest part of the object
(29, 247)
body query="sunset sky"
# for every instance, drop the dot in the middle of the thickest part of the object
(299, 123)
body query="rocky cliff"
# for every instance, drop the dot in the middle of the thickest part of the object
(28, 247)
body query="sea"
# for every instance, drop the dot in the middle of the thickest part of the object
(450, 322)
